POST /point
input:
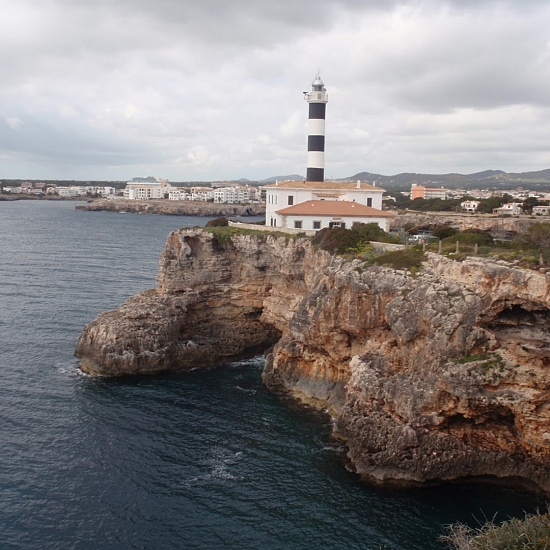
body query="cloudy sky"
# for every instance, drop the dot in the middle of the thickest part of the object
(212, 89)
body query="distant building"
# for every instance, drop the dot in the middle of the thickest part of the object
(510, 209)
(202, 194)
(179, 194)
(422, 192)
(72, 191)
(237, 194)
(469, 206)
(146, 190)
(541, 210)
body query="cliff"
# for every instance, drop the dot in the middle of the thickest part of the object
(173, 208)
(440, 376)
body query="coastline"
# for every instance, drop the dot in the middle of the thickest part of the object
(25, 197)
(173, 208)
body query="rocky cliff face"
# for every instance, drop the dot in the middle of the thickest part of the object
(173, 208)
(435, 377)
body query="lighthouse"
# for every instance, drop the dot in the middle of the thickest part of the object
(317, 100)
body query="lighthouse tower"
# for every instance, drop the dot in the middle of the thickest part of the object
(317, 100)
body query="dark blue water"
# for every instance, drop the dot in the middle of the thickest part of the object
(205, 460)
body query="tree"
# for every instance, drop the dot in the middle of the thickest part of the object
(539, 234)
(443, 231)
(486, 206)
(528, 204)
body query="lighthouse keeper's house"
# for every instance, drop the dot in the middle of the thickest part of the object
(315, 205)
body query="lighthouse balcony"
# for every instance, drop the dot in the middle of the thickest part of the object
(321, 97)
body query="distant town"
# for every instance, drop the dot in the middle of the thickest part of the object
(419, 197)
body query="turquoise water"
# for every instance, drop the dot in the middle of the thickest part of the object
(204, 460)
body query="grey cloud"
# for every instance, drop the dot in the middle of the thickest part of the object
(50, 143)
(213, 88)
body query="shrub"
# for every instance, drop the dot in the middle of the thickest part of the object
(443, 231)
(336, 240)
(539, 234)
(531, 533)
(217, 222)
(373, 232)
(401, 259)
(471, 236)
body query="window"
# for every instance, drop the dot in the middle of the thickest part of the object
(316, 225)
(298, 224)
(290, 201)
(369, 201)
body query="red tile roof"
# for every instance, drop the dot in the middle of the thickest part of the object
(333, 208)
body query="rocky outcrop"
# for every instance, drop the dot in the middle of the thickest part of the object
(497, 225)
(173, 208)
(215, 301)
(438, 376)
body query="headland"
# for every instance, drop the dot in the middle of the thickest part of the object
(429, 376)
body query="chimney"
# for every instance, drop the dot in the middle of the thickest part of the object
(358, 184)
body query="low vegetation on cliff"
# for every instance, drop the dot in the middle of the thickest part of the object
(531, 533)
(223, 233)
(338, 240)
(530, 249)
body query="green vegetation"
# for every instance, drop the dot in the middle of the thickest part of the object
(485, 206)
(444, 231)
(526, 249)
(531, 533)
(410, 258)
(338, 240)
(218, 222)
(529, 250)
(225, 233)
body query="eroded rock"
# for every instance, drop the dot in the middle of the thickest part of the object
(440, 376)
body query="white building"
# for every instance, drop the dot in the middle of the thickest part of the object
(289, 193)
(72, 191)
(202, 194)
(179, 194)
(146, 190)
(510, 209)
(236, 194)
(541, 210)
(318, 214)
(469, 206)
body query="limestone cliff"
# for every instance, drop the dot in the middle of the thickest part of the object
(435, 377)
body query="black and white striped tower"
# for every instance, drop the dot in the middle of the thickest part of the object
(317, 100)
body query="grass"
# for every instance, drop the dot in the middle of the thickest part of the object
(410, 258)
(530, 533)
(224, 234)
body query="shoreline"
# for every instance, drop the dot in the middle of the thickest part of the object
(173, 208)
(23, 197)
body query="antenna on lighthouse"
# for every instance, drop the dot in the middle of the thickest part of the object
(317, 100)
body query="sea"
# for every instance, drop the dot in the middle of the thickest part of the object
(207, 459)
